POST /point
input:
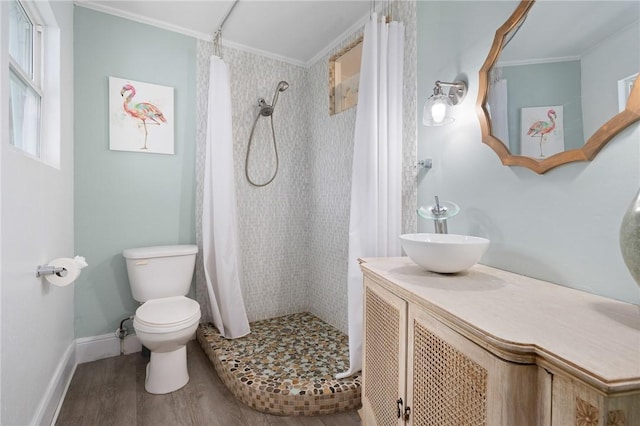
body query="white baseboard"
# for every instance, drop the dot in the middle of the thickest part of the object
(84, 349)
(104, 346)
(81, 350)
(50, 403)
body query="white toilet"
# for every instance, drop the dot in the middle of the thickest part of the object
(160, 277)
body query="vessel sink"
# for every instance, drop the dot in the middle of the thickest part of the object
(444, 253)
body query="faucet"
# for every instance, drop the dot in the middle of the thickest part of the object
(439, 213)
(439, 217)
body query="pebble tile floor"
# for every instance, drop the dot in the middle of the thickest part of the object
(286, 366)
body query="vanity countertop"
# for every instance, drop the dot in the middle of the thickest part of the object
(526, 320)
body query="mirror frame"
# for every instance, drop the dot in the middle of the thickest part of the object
(592, 146)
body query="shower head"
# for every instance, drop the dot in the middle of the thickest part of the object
(282, 86)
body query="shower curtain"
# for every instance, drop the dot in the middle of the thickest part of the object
(376, 179)
(219, 221)
(497, 99)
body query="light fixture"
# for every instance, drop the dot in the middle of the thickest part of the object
(437, 109)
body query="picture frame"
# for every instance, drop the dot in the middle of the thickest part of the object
(541, 131)
(141, 117)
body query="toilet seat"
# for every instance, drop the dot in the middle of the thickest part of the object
(166, 315)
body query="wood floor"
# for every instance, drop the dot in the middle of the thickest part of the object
(111, 392)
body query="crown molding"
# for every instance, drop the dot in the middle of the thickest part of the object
(99, 7)
(331, 46)
(259, 52)
(536, 61)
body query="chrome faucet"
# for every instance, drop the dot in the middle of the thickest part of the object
(439, 217)
(439, 213)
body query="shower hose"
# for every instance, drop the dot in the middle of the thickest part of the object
(275, 150)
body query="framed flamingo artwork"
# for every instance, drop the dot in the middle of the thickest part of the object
(140, 117)
(541, 131)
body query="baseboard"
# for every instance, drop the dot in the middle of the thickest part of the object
(50, 403)
(79, 351)
(104, 346)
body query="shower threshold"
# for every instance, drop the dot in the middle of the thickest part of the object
(286, 366)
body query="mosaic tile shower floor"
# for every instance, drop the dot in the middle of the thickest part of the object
(286, 366)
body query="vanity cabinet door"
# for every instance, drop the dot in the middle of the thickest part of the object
(384, 363)
(452, 381)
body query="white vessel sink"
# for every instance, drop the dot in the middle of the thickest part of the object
(444, 253)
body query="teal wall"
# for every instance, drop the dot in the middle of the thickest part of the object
(555, 83)
(126, 199)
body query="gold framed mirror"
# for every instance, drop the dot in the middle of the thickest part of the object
(523, 117)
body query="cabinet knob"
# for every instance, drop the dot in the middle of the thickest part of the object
(399, 402)
(407, 413)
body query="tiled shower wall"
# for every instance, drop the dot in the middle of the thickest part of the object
(330, 159)
(273, 220)
(331, 156)
(294, 232)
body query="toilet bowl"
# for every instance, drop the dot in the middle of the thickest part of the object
(165, 326)
(160, 277)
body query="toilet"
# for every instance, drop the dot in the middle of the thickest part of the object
(160, 277)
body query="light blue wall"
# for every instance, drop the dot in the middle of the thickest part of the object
(126, 199)
(602, 66)
(562, 226)
(556, 83)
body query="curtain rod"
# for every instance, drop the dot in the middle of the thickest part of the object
(235, 2)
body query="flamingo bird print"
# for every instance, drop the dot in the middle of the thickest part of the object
(143, 111)
(541, 128)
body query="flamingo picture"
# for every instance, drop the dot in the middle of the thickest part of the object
(146, 112)
(541, 128)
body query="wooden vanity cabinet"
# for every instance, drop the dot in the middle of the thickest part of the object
(440, 377)
(431, 359)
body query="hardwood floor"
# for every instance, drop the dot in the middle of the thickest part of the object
(111, 392)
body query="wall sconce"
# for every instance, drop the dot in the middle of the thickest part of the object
(437, 109)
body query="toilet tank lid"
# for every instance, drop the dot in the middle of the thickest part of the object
(160, 251)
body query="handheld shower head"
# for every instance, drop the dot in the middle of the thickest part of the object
(282, 86)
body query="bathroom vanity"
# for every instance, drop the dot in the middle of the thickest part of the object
(489, 347)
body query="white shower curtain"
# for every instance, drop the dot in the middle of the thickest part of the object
(497, 99)
(219, 221)
(376, 179)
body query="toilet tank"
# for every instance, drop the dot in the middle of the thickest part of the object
(160, 271)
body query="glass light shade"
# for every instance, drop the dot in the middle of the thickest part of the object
(437, 111)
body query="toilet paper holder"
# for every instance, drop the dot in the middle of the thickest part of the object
(50, 270)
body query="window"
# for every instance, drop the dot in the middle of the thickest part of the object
(35, 78)
(25, 79)
(624, 90)
(344, 77)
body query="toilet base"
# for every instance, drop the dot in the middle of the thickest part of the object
(167, 371)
